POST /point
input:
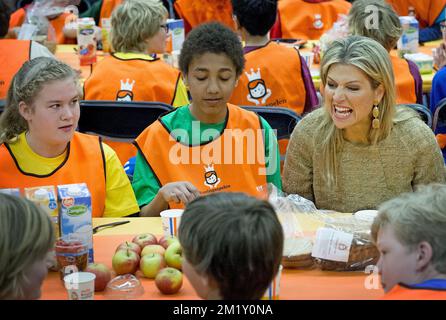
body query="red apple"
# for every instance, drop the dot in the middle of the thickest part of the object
(103, 275)
(129, 245)
(169, 280)
(173, 255)
(125, 261)
(151, 263)
(167, 241)
(144, 239)
(153, 248)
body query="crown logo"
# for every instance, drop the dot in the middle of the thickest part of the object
(209, 168)
(253, 75)
(127, 86)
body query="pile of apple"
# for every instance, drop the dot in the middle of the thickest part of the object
(159, 260)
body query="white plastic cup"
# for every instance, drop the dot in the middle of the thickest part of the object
(272, 293)
(308, 56)
(171, 221)
(80, 285)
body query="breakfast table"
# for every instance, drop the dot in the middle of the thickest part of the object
(294, 285)
(68, 54)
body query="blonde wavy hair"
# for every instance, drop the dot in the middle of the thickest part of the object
(373, 60)
(415, 217)
(26, 236)
(25, 86)
(134, 22)
(389, 27)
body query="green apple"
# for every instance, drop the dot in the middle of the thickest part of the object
(125, 261)
(166, 241)
(153, 248)
(150, 264)
(169, 280)
(173, 255)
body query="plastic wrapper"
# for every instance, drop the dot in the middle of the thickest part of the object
(319, 238)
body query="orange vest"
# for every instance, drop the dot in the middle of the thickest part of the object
(13, 53)
(107, 9)
(132, 80)
(85, 162)
(195, 12)
(18, 18)
(399, 292)
(213, 166)
(441, 139)
(299, 21)
(404, 81)
(427, 11)
(270, 82)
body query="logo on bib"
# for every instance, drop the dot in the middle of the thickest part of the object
(211, 179)
(126, 93)
(257, 88)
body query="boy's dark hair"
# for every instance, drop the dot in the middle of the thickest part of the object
(236, 240)
(256, 16)
(212, 38)
(4, 19)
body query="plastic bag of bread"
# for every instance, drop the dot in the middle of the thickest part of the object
(344, 244)
(297, 245)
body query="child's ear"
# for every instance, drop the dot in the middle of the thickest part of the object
(25, 110)
(425, 253)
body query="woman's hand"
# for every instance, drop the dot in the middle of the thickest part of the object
(181, 191)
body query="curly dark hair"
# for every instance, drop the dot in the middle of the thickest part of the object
(235, 239)
(212, 38)
(256, 16)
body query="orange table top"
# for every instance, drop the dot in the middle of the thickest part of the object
(294, 285)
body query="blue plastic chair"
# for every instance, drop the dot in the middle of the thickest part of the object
(281, 119)
(118, 123)
(423, 111)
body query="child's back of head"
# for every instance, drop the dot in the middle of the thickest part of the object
(235, 241)
(255, 16)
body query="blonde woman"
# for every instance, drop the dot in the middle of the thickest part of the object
(132, 73)
(39, 145)
(387, 31)
(26, 236)
(410, 233)
(358, 150)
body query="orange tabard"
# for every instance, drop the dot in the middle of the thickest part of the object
(18, 18)
(107, 8)
(404, 81)
(213, 166)
(299, 19)
(195, 12)
(402, 293)
(132, 80)
(427, 11)
(441, 139)
(271, 82)
(85, 162)
(13, 53)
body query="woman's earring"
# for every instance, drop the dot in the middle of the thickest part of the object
(375, 113)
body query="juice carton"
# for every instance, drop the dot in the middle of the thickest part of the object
(86, 41)
(408, 42)
(12, 192)
(45, 197)
(75, 213)
(176, 35)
